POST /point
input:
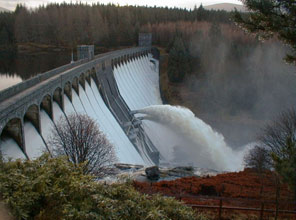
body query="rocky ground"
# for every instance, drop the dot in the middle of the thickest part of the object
(139, 173)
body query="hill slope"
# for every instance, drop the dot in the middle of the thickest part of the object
(226, 7)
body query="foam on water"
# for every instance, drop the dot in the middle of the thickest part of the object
(176, 132)
(199, 143)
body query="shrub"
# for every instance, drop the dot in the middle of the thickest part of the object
(53, 188)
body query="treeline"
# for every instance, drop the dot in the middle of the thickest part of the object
(104, 25)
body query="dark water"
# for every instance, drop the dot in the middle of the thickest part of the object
(17, 67)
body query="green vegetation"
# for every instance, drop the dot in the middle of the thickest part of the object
(49, 188)
(179, 61)
(269, 18)
(66, 25)
(279, 139)
(7, 21)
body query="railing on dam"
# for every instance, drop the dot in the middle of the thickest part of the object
(13, 90)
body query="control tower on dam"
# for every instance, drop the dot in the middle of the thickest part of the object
(94, 85)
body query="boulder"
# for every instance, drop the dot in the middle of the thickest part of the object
(123, 166)
(152, 173)
(185, 168)
(181, 171)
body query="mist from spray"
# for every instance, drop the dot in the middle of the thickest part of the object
(238, 84)
(201, 145)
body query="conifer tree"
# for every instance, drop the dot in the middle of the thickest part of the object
(272, 17)
(179, 61)
(279, 138)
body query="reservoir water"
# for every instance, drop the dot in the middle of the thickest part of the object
(16, 67)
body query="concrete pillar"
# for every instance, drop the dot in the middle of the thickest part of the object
(68, 90)
(22, 143)
(75, 85)
(82, 80)
(112, 63)
(33, 115)
(46, 104)
(59, 98)
(87, 77)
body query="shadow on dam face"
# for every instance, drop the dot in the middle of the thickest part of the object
(14, 130)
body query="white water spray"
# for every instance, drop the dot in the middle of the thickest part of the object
(201, 145)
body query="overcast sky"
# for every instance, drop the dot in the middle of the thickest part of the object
(10, 4)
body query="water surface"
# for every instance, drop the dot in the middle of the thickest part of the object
(16, 67)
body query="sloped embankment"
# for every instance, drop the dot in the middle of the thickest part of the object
(239, 189)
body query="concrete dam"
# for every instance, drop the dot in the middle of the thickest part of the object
(120, 90)
(106, 87)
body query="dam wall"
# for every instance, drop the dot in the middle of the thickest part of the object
(30, 110)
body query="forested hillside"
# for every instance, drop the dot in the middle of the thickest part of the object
(104, 25)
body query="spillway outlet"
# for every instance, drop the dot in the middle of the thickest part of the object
(137, 122)
(133, 112)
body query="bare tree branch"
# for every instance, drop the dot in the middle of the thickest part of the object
(79, 138)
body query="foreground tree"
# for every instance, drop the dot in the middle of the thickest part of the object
(79, 138)
(279, 138)
(269, 18)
